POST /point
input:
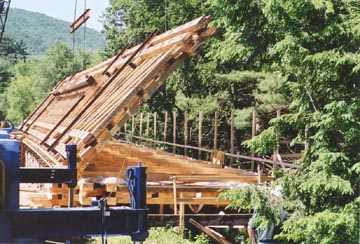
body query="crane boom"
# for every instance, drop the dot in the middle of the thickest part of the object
(4, 10)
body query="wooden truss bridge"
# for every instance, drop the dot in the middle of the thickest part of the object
(89, 107)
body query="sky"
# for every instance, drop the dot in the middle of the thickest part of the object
(65, 9)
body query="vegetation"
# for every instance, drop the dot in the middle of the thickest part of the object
(25, 84)
(308, 52)
(159, 235)
(39, 32)
(298, 56)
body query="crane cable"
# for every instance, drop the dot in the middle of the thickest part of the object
(73, 41)
(84, 46)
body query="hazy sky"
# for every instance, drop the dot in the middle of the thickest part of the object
(65, 9)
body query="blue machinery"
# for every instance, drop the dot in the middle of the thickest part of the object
(22, 225)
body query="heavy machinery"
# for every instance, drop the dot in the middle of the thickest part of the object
(4, 10)
(86, 109)
(32, 225)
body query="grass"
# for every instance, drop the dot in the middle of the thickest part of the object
(162, 235)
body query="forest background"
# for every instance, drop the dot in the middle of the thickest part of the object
(301, 57)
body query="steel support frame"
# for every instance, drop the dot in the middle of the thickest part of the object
(17, 224)
(73, 222)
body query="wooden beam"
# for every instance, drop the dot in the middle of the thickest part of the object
(218, 238)
(216, 129)
(62, 119)
(221, 177)
(174, 132)
(200, 134)
(232, 136)
(81, 20)
(228, 220)
(186, 133)
(101, 90)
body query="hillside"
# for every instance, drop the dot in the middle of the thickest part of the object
(39, 32)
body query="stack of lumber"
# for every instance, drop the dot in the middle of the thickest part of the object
(88, 108)
(191, 180)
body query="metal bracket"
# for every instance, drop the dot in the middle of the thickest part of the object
(48, 175)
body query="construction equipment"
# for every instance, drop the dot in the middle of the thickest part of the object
(4, 10)
(32, 225)
(71, 126)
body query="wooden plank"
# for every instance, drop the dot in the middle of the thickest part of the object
(200, 134)
(221, 178)
(174, 131)
(232, 136)
(116, 58)
(81, 20)
(226, 220)
(102, 89)
(216, 129)
(253, 134)
(45, 105)
(186, 133)
(62, 119)
(165, 125)
(203, 200)
(214, 235)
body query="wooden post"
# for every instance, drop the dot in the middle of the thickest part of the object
(232, 135)
(174, 132)
(165, 125)
(276, 151)
(125, 131)
(217, 237)
(181, 215)
(174, 194)
(186, 133)
(132, 127)
(141, 124)
(147, 125)
(259, 171)
(200, 133)
(306, 142)
(253, 134)
(155, 133)
(215, 129)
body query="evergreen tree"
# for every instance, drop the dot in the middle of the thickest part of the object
(12, 50)
(316, 52)
(302, 56)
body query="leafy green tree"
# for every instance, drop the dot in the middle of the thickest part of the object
(20, 99)
(58, 63)
(38, 77)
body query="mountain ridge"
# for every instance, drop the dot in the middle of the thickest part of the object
(40, 31)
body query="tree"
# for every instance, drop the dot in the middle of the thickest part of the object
(20, 99)
(317, 53)
(308, 51)
(12, 50)
(5, 74)
(34, 79)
